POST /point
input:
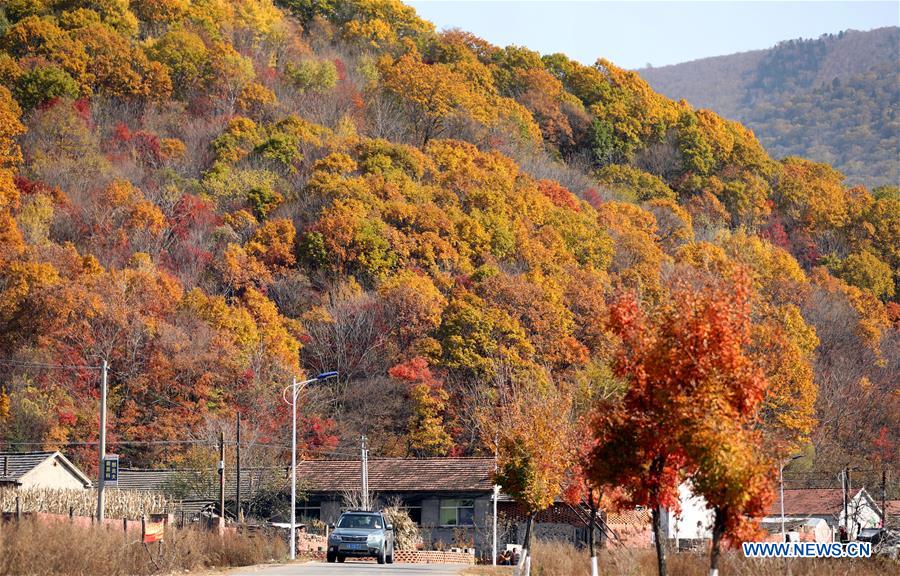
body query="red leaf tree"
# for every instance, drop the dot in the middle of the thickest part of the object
(692, 385)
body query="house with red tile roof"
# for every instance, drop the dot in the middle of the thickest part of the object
(828, 504)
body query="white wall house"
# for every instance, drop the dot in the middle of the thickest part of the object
(828, 505)
(693, 522)
(808, 507)
(40, 470)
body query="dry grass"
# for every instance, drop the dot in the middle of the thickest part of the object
(488, 571)
(119, 503)
(562, 559)
(34, 548)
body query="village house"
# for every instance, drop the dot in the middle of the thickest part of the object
(40, 470)
(196, 492)
(826, 504)
(810, 515)
(450, 499)
(797, 529)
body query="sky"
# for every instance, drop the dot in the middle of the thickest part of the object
(634, 34)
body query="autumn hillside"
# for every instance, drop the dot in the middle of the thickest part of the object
(216, 194)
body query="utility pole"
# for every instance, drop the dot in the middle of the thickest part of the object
(781, 501)
(849, 490)
(845, 473)
(101, 482)
(221, 478)
(364, 465)
(238, 513)
(294, 392)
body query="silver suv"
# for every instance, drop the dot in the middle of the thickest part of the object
(360, 533)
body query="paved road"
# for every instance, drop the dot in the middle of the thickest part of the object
(350, 569)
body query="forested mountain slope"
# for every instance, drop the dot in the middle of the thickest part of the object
(214, 195)
(833, 99)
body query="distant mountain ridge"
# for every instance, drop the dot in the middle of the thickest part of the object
(832, 99)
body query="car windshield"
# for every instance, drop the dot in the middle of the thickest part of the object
(360, 521)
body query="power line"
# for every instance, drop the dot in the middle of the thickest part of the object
(23, 364)
(117, 442)
(320, 451)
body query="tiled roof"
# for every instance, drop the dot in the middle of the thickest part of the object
(203, 484)
(399, 475)
(892, 507)
(811, 502)
(385, 475)
(15, 465)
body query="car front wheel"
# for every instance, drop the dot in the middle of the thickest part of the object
(381, 556)
(390, 558)
(330, 556)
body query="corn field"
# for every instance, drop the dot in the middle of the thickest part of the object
(119, 503)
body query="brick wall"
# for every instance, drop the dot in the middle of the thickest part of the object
(432, 557)
(410, 557)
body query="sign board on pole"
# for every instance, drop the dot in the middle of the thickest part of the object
(111, 470)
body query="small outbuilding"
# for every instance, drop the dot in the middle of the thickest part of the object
(40, 470)
(797, 529)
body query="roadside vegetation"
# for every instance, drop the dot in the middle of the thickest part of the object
(554, 558)
(32, 548)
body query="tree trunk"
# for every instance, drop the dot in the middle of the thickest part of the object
(592, 506)
(717, 533)
(528, 527)
(660, 540)
(656, 469)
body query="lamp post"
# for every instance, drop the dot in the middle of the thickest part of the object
(295, 389)
(781, 481)
(494, 522)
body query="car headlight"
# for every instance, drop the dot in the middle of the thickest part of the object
(374, 539)
(334, 537)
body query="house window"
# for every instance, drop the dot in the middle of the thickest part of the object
(457, 512)
(308, 513)
(414, 509)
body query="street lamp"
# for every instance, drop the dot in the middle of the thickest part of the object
(781, 480)
(295, 389)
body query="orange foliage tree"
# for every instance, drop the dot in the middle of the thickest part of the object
(689, 374)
